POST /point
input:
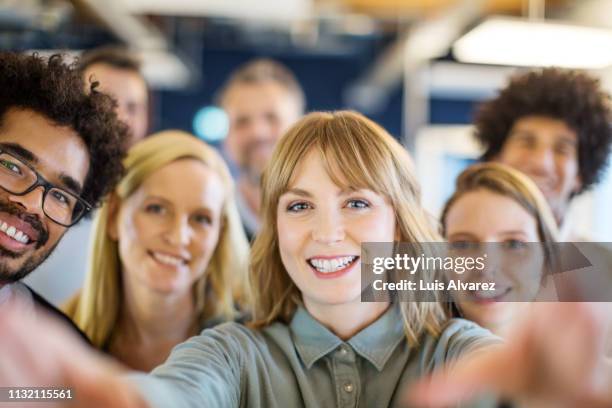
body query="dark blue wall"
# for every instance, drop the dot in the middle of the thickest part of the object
(324, 78)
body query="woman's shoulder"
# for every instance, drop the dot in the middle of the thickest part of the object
(460, 328)
(236, 340)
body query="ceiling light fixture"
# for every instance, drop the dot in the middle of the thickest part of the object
(535, 42)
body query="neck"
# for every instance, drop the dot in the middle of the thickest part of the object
(251, 194)
(149, 316)
(347, 319)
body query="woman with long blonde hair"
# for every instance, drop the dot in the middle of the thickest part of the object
(168, 252)
(335, 181)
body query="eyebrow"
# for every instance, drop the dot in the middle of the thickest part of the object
(461, 234)
(304, 193)
(167, 201)
(299, 192)
(560, 138)
(568, 140)
(513, 232)
(21, 152)
(26, 155)
(70, 183)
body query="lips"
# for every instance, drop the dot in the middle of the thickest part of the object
(490, 297)
(18, 229)
(331, 267)
(333, 264)
(168, 259)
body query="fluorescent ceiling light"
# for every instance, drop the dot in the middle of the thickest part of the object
(520, 42)
(247, 9)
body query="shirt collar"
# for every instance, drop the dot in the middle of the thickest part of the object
(375, 343)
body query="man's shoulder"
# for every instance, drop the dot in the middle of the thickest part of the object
(48, 308)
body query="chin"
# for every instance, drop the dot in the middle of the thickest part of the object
(165, 286)
(337, 298)
(165, 289)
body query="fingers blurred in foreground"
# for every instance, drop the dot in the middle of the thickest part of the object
(38, 351)
(549, 361)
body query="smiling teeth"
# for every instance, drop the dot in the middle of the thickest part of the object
(331, 265)
(14, 233)
(168, 259)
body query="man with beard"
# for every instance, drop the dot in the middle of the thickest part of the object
(262, 100)
(60, 153)
(117, 69)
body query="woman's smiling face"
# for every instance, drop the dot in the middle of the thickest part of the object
(320, 229)
(169, 227)
(486, 217)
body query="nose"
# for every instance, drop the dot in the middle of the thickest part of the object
(328, 228)
(31, 202)
(491, 269)
(541, 160)
(261, 129)
(179, 232)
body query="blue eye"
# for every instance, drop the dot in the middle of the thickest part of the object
(298, 207)
(359, 204)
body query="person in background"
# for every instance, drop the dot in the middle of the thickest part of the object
(555, 126)
(60, 153)
(168, 251)
(262, 100)
(118, 73)
(494, 203)
(335, 180)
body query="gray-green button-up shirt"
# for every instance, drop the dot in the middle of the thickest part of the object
(303, 365)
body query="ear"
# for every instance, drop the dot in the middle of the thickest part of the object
(113, 215)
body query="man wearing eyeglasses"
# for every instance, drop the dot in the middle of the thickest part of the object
(60, 153)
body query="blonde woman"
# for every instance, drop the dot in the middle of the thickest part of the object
(494, 203)
(335, 180)
(168, 250)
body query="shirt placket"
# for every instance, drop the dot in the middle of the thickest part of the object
(346, 376)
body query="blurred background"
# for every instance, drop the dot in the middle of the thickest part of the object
(418, 67)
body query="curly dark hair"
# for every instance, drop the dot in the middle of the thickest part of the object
(55, 89)
(568, 95)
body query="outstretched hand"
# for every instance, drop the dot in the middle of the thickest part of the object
(550, 361)
(38, 351)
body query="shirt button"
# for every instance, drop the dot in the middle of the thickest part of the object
(343, 351)
(348, 387)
